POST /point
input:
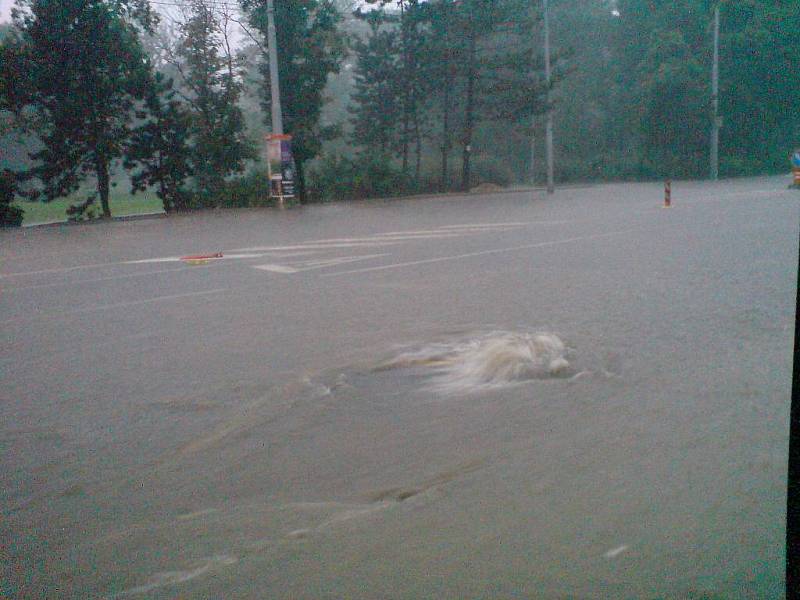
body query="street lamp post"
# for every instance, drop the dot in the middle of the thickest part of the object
(714, 153)
(275, 88)
(549, 121)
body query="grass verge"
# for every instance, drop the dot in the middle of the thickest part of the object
(121, 204)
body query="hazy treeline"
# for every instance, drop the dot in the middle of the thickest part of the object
(396, 96)
(631, 94)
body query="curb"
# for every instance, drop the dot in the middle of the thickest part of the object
(444, 195)
(136, 217)
(435, 195)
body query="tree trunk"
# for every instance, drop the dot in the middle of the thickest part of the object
(101, 169)
(301, 181)
(405, 83)
(468, 116)
(444, 183)
(532, 168)
(418, 149)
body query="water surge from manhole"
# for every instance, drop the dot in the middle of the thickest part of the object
(494, 359)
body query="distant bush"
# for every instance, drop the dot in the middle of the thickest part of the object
(341, 178)
(611, 166)
(487, 169)
(251, 189)
(10, 215)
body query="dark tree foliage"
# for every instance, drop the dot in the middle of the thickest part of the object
(444, 50)
(759, 84)
(219, 143)
(431, 69)
(410, 81)
(158, 148)
(79, 65)
(664, 55)
(310, 48)
(377, 108)
(10, 215)
(500, 66)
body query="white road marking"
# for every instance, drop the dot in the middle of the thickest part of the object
(61, 269)
(165, 259)
(615, 552)
(318, 246)
(95, 280)
(114, 305)
(237, 256)
(486, 225)
(422, 234)
(275, 268)
(471, 254)
(147, 261)
(391, 237)
(314, 264)
(146, 301)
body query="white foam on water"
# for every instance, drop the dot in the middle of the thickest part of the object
(175, 577)
(615, 551)
(494, 359)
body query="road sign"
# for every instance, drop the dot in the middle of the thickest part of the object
(796, 159)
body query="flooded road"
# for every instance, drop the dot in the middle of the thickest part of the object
(578, 396)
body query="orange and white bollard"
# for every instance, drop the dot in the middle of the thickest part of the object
(667, 193)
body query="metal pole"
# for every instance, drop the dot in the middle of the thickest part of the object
(714, 171)
(533, 104)
(549, 122)
(533, 150)
(275, 89)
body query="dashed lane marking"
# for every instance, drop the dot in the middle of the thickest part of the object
(314, 264)
(89, 309)
(94, 280)
(472, 254)
(374, 240)
(391, 237)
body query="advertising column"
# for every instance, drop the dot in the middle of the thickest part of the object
(280, 167)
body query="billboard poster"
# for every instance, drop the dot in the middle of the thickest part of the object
(280, 166)
(273, 157)
(287, 169)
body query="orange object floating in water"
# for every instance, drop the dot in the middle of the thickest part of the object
(202, 256)
(200, 259)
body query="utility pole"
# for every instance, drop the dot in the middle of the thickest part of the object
(275, 88)
(533, 105)
(549, 122)
(714, 171)
(533, 150)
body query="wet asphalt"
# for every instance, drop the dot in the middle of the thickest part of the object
(220, 430)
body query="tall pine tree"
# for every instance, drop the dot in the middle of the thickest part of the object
(376, 112)
(159, 148)
(219, 143)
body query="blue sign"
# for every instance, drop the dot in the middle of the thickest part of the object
(796, 159)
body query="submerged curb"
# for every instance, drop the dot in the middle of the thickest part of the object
(64, 222)
(162, 214)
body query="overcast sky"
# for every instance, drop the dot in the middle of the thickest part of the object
(5, 10)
